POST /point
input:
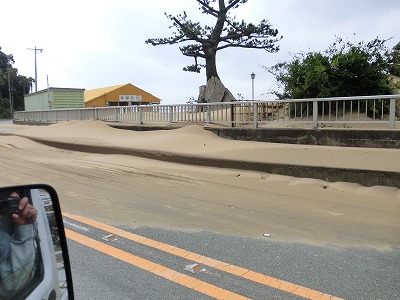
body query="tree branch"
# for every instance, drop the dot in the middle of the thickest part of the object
(210, 39)
(234, 3)
(207, 8)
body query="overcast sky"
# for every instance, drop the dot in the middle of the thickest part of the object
(92, 44)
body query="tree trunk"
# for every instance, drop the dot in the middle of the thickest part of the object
(211, 64)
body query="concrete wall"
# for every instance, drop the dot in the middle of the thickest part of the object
(327, 137)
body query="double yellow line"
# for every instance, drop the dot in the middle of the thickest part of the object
(177, 277)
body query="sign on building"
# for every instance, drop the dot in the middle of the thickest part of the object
(130, 98)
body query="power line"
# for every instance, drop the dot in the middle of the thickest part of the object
(36, 50)
(67, 71)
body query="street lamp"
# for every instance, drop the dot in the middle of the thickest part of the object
(252, 75)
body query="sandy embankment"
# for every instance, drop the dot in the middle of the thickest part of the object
(290, 208)
(193, 140)
(194, 145)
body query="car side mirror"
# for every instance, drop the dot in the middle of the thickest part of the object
(34, 260)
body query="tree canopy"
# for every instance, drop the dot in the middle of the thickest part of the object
(394, 60)
(12, 85)
(203, 41)
(344, 69)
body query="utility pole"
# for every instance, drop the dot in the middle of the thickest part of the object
(10, 95)
(36, 50)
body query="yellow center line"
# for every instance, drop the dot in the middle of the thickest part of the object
(172, 275)
(225, 267)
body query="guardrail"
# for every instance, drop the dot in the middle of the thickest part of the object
(315, 112)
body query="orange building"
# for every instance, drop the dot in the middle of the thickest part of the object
(119, 95)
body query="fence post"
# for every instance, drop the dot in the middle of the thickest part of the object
(315, 114)
(117, 114)
(255, 115)
(208, 114)
(171, 113)
(233, 109)
(140, 115)
(392, 113)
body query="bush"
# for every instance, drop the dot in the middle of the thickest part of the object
(344, 69)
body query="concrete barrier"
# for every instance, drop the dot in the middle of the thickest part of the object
(326, 137)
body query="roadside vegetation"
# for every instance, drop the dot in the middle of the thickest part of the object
(13, 86)
(344, 69)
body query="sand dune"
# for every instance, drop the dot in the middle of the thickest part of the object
(194, 140)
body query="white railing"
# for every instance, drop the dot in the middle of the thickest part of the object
(315, 112)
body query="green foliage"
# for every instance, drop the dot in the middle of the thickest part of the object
(205, 41)
(10, 81)
(344, 69)
(394, 60)
(192, 68)
(4, 109)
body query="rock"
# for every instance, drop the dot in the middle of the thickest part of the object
(202, 94)
(228, 97)
(214, 91)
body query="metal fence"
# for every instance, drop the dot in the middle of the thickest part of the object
(314, 112)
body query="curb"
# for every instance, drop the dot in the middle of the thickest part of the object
(364, 177)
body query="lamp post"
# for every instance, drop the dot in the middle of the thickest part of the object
(252, 75)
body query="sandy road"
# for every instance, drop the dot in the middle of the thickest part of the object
(131, 191)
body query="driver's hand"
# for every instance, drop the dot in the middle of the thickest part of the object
(27, 213)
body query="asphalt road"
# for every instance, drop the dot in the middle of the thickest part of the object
(350, 273)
